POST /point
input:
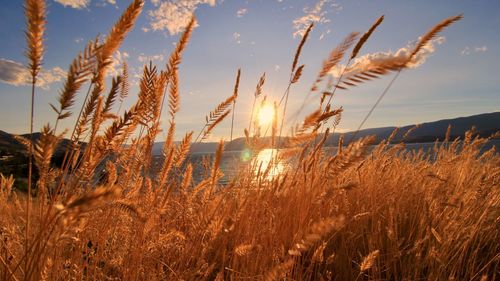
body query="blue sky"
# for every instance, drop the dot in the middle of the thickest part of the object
(459, 76)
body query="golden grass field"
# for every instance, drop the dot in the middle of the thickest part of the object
(361, 214)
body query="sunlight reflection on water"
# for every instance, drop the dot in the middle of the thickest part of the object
(266, 163)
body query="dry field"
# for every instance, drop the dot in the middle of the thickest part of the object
(382, 214)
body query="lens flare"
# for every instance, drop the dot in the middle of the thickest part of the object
(266, 115)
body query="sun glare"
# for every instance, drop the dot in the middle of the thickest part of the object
(266, 115)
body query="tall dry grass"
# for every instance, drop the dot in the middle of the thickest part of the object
(362, 213)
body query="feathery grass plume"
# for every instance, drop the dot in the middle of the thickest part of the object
(354, 153)
(216, 172)
(171, 72)
(374, 70)
(340, 145)
(125, 85)
(277, 272)
(365, 37)
(43, 150)
(334, 58)
(400, 66)
(216, 116)
(315, 233)
(79, 72)
(35, 26)
(410, 131)
(104, 60)
(297, 74)
(148, 98)
(258, 92)
(34, 11)
(176, 56)
(294, 77)
(235, 94)
(90, 199)
(112, 96)
(171, 76)
(187, 178)
(173, 96)
(6, 184)
(183, 149)
(116, 133)
(244, 249)
(432, 33)
(119, 31)
(369, 261)
(301, 45)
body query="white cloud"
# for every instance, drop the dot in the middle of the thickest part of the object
(77, 4)
(236, 37)
(78, 40)
(241, 12)
(116, 66)
(277, 67)
(16, 74)
(467, 50)
(143, 58)
(481, 49)
(324, 34)
(173, 15)
(316, 14)
(379, 58)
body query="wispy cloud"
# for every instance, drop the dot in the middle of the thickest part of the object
(468, 50)
(316, 14)
(241, 12)
(236, 37)
(143, 58)
(16, 74)
(379, 58)
(76, 4)
(116, 66)
(173, 15)
(481, 49)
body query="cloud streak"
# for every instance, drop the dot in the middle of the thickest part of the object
(241, 12)
(16, 74)
(468, 50)
(173, 15)
(316, 14)
(76, 4)
(380, 58)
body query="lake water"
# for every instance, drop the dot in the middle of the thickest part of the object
(232, 161)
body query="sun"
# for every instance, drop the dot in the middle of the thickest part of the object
(266, 115)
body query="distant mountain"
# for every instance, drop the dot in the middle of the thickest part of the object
(9, 142)
(485, 125)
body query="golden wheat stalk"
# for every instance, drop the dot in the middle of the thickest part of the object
(215, 117)
(79, 73)
(301, 45)
(112, 43)
(125, 86)
(235, 94)
(432, 33)
(334, 58)
(365, 37)
(35, 26)
(258, 92)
